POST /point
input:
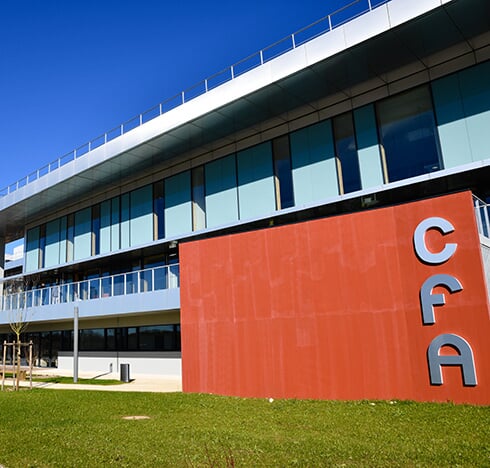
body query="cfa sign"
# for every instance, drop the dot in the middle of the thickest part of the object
(428, 300)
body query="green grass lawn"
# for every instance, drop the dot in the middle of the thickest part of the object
(86, 428)
(69, 380)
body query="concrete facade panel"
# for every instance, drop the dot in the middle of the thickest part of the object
(367, 26)
(401, 11)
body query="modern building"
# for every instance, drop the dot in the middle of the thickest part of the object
(311, 222)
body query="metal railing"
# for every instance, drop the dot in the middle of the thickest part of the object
(482, 213)
(133, 282)
(328, 23)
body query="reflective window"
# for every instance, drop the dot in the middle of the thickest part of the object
(96, 230)
(408, 134)
(346, 152)
(198, 199)
(158, 210)
(132, 338)
(92, 339)
(159, 338)
(70, 237)
(118, 285)
(146, 280)
(42, 245)
(111, 339)
(67, 340)
(131, 283)
(160, 278)
(283, 176)
(106, 286)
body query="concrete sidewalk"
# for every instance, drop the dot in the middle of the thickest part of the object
(139, 382)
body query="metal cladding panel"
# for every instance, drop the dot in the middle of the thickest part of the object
(331, 308)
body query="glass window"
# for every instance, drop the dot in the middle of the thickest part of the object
(46, 353)
(96, 230)
(106, 286)
(92, 339)
(146, 280)
(221, 191)
(94, 289)
(70, 237)
(408, 134)
(282, 173)
(178, 204)
(150, 338)
(124, 224)
(121, 339)
(84, 290)
(55, 347)
(141, 215)
(173, 273)
(52, 248)
(105, 227)
(131, 283)
(346, 151)
(83, 234)
(255, 171)
(158, 211)
(119, 285)
(132, 338)
(160, 278)
(313, 163)
(159, 338)
(177, 336)
(67, 340)
(45, 291)
(42, 245)
(32, 249)
(115, 224)
(198, 199)
(111, 339)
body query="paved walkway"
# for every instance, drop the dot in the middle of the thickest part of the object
(139, 382)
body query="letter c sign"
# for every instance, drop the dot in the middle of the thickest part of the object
(421, 247)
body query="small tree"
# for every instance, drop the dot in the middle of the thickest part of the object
(19, 318)
(18, 322)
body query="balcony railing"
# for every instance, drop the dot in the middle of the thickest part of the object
(339, 17)
(482, 213)
(134, 282)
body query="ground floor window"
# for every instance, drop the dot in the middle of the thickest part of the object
(144, 338)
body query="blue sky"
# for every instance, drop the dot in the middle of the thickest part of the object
(71, 70)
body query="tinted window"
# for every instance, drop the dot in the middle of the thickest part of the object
(408, 134)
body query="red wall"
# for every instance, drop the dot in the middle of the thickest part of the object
(330, 308)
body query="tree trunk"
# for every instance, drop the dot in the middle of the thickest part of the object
(17, 352)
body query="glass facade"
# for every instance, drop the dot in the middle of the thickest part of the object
(198, 199)
(150, 338)
(220, 181)
(142, 338)
(282, 173)
(346, 151)
(408, 134)
(256, 192)
(314, 167)
(396, 138)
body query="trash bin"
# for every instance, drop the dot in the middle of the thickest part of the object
(124, 372)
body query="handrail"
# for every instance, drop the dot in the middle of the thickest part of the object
(303, 35)
(482, 214)
(120, 284)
